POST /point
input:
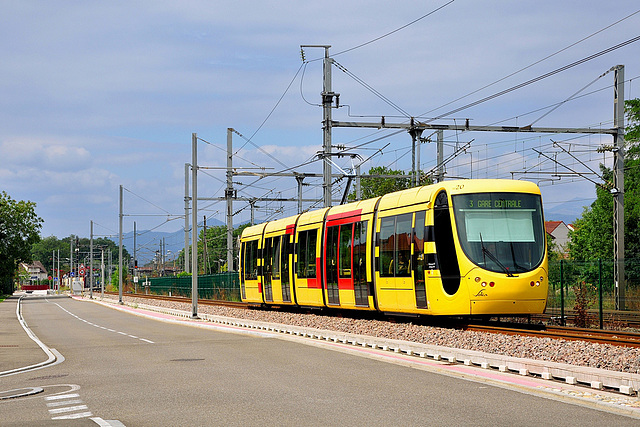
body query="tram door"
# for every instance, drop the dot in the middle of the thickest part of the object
(271, 265)
(418, 259)
(287, 249)
(346, 264)
(333, 293)
(360, 264)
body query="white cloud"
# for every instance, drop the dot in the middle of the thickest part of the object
(95, 95)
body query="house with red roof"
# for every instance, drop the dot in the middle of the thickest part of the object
(559, 232)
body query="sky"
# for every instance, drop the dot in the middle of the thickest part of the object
(95, 94)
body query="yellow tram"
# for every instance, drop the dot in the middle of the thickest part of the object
(467, 247)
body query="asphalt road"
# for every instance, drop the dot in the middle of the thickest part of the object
(121, 369)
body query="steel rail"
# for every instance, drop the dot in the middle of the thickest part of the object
(617, 338)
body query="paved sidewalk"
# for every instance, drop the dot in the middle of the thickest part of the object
(17, 350)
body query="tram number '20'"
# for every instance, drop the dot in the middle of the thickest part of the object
(500, 204)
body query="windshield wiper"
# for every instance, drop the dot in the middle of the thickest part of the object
(513, 257)
(495, 259)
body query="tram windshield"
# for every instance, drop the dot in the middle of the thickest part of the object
(501, 232)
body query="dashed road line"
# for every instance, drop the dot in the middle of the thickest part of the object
(103, 327)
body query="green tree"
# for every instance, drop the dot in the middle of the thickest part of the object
(593, 235)
(43, 249)
(115, 279)
(19, 229)
(216, 249)
(374, 187)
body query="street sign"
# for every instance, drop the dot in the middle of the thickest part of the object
(81, 270)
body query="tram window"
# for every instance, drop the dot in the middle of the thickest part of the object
(395, 246)
(286, 251)
(359, 251)
(331, 257)
(418, 260)
(306, 254)
(346, 232)
(360, 263)
(267, 254)
(250, 266)
(403, 248)
(418, 243)
(387, 239)
(275, 257)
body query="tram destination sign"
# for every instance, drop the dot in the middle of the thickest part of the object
(495, 204)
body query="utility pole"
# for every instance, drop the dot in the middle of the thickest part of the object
(327, 102)
(358, 186)
(186, 217)
(91, 263)
(205, 262)
(415, 136)
(135, 251)
(59, 277)
(440, 156)
(71, 263)
(327, 105)
(194, 228)
(300, 179)
(229, 194)
(102, 273)
(120, 252)
(618, 188)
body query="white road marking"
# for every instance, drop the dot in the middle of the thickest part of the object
(68, 409)
(63, 402)
(62, 396)
(73, 416)
(107, 329)
(106, 423)
(67, 406)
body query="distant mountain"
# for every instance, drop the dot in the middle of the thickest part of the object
(567, 211)
(148, 242)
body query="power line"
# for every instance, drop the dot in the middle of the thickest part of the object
(396, 30)
(534, 63)
(537, 79)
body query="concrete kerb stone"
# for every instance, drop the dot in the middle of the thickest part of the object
(625, 383)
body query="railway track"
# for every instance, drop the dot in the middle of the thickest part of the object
(617, 338)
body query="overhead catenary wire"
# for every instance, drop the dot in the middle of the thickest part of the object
(533, 63)
(537, 79)
(531, 81)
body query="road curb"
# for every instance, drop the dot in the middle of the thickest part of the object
(594, 378)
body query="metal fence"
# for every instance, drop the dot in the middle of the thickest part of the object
(583, 288)
(588, 287)
(221, 286)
